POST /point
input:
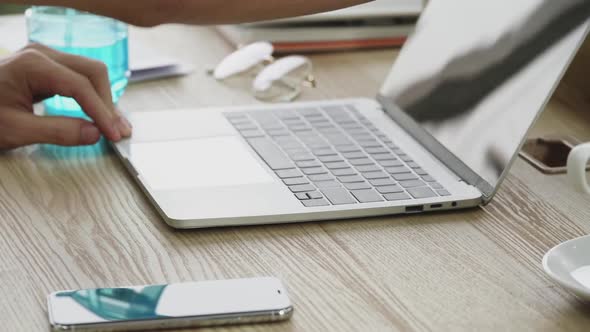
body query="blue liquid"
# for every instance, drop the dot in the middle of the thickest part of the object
(89, 36)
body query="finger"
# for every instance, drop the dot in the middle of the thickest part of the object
(95, 71)
(45, 76)
(32, 129)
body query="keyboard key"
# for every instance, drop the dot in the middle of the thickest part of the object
(301, 188)
(329, 159)
(368, 168)
(390, 189)
(331, 129)
(397, 170)
(302, 196)
(338, 139)
(357, 129)
(362, 136)
(320, 118)
(384, 138)
(376, 150)
(294, 181)
(320, 144)
(350, 179)
(324, 152)
(412, 183)
(338, 196)
(375, 175)
(347, 148)
(367, 196)
(384, 156)
(278, 132)
(354, 155)
(443, 192)
(391, 145)
(271, 154)
(390, 163)
(413, 164)
(315, 195)
(423, 192)
(357, 185)
(323, 124)
(288, 173)
(314, 170)
(320, 177)
(290, 143)
(350, 127)
(436, 185)
(295, 151)
(308, 136)
(369, 143)
(382, 182)
(308, 163)
(428, 178)
(363, 161)
(344, 171)
(396, 196)
(315, 203)
(302, 127)
(337, 165)
(404, 176)
(406, 158)
(420, 171)
(327, 184)
(274, 125)
(302, 157)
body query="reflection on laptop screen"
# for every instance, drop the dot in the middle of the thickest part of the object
(476, 73)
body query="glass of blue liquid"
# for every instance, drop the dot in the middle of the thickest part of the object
(80, 33)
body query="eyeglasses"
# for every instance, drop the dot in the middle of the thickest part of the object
(275, 80)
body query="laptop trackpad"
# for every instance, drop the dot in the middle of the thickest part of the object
(204, 162)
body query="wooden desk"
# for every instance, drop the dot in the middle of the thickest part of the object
(75, 219)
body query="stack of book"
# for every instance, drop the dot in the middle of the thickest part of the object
(378, 24)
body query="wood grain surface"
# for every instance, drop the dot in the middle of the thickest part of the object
(72, 218)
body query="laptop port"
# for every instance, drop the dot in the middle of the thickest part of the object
(415, 209)
(436, 206)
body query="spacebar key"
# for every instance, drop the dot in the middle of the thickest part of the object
(271, 154)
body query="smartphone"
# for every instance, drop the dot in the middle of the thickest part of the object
(182, 305)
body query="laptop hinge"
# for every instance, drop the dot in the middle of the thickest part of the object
(431, 144)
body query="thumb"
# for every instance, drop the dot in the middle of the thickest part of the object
(63, 131)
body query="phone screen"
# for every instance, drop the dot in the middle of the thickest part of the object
(158, 302)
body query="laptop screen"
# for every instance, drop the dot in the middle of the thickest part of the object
(476, 74)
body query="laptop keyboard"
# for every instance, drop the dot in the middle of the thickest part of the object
(333, 155)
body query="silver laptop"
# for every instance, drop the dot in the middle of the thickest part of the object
(441, 135)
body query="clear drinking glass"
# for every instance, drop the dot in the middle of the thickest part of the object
(84, 34)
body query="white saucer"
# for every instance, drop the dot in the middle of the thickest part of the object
(569, 265)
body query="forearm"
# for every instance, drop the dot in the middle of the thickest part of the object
(153, 12)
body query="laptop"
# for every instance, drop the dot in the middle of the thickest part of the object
(441, 134)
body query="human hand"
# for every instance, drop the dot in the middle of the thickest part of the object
(38, 72)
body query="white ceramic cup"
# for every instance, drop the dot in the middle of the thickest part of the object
(577, 162)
